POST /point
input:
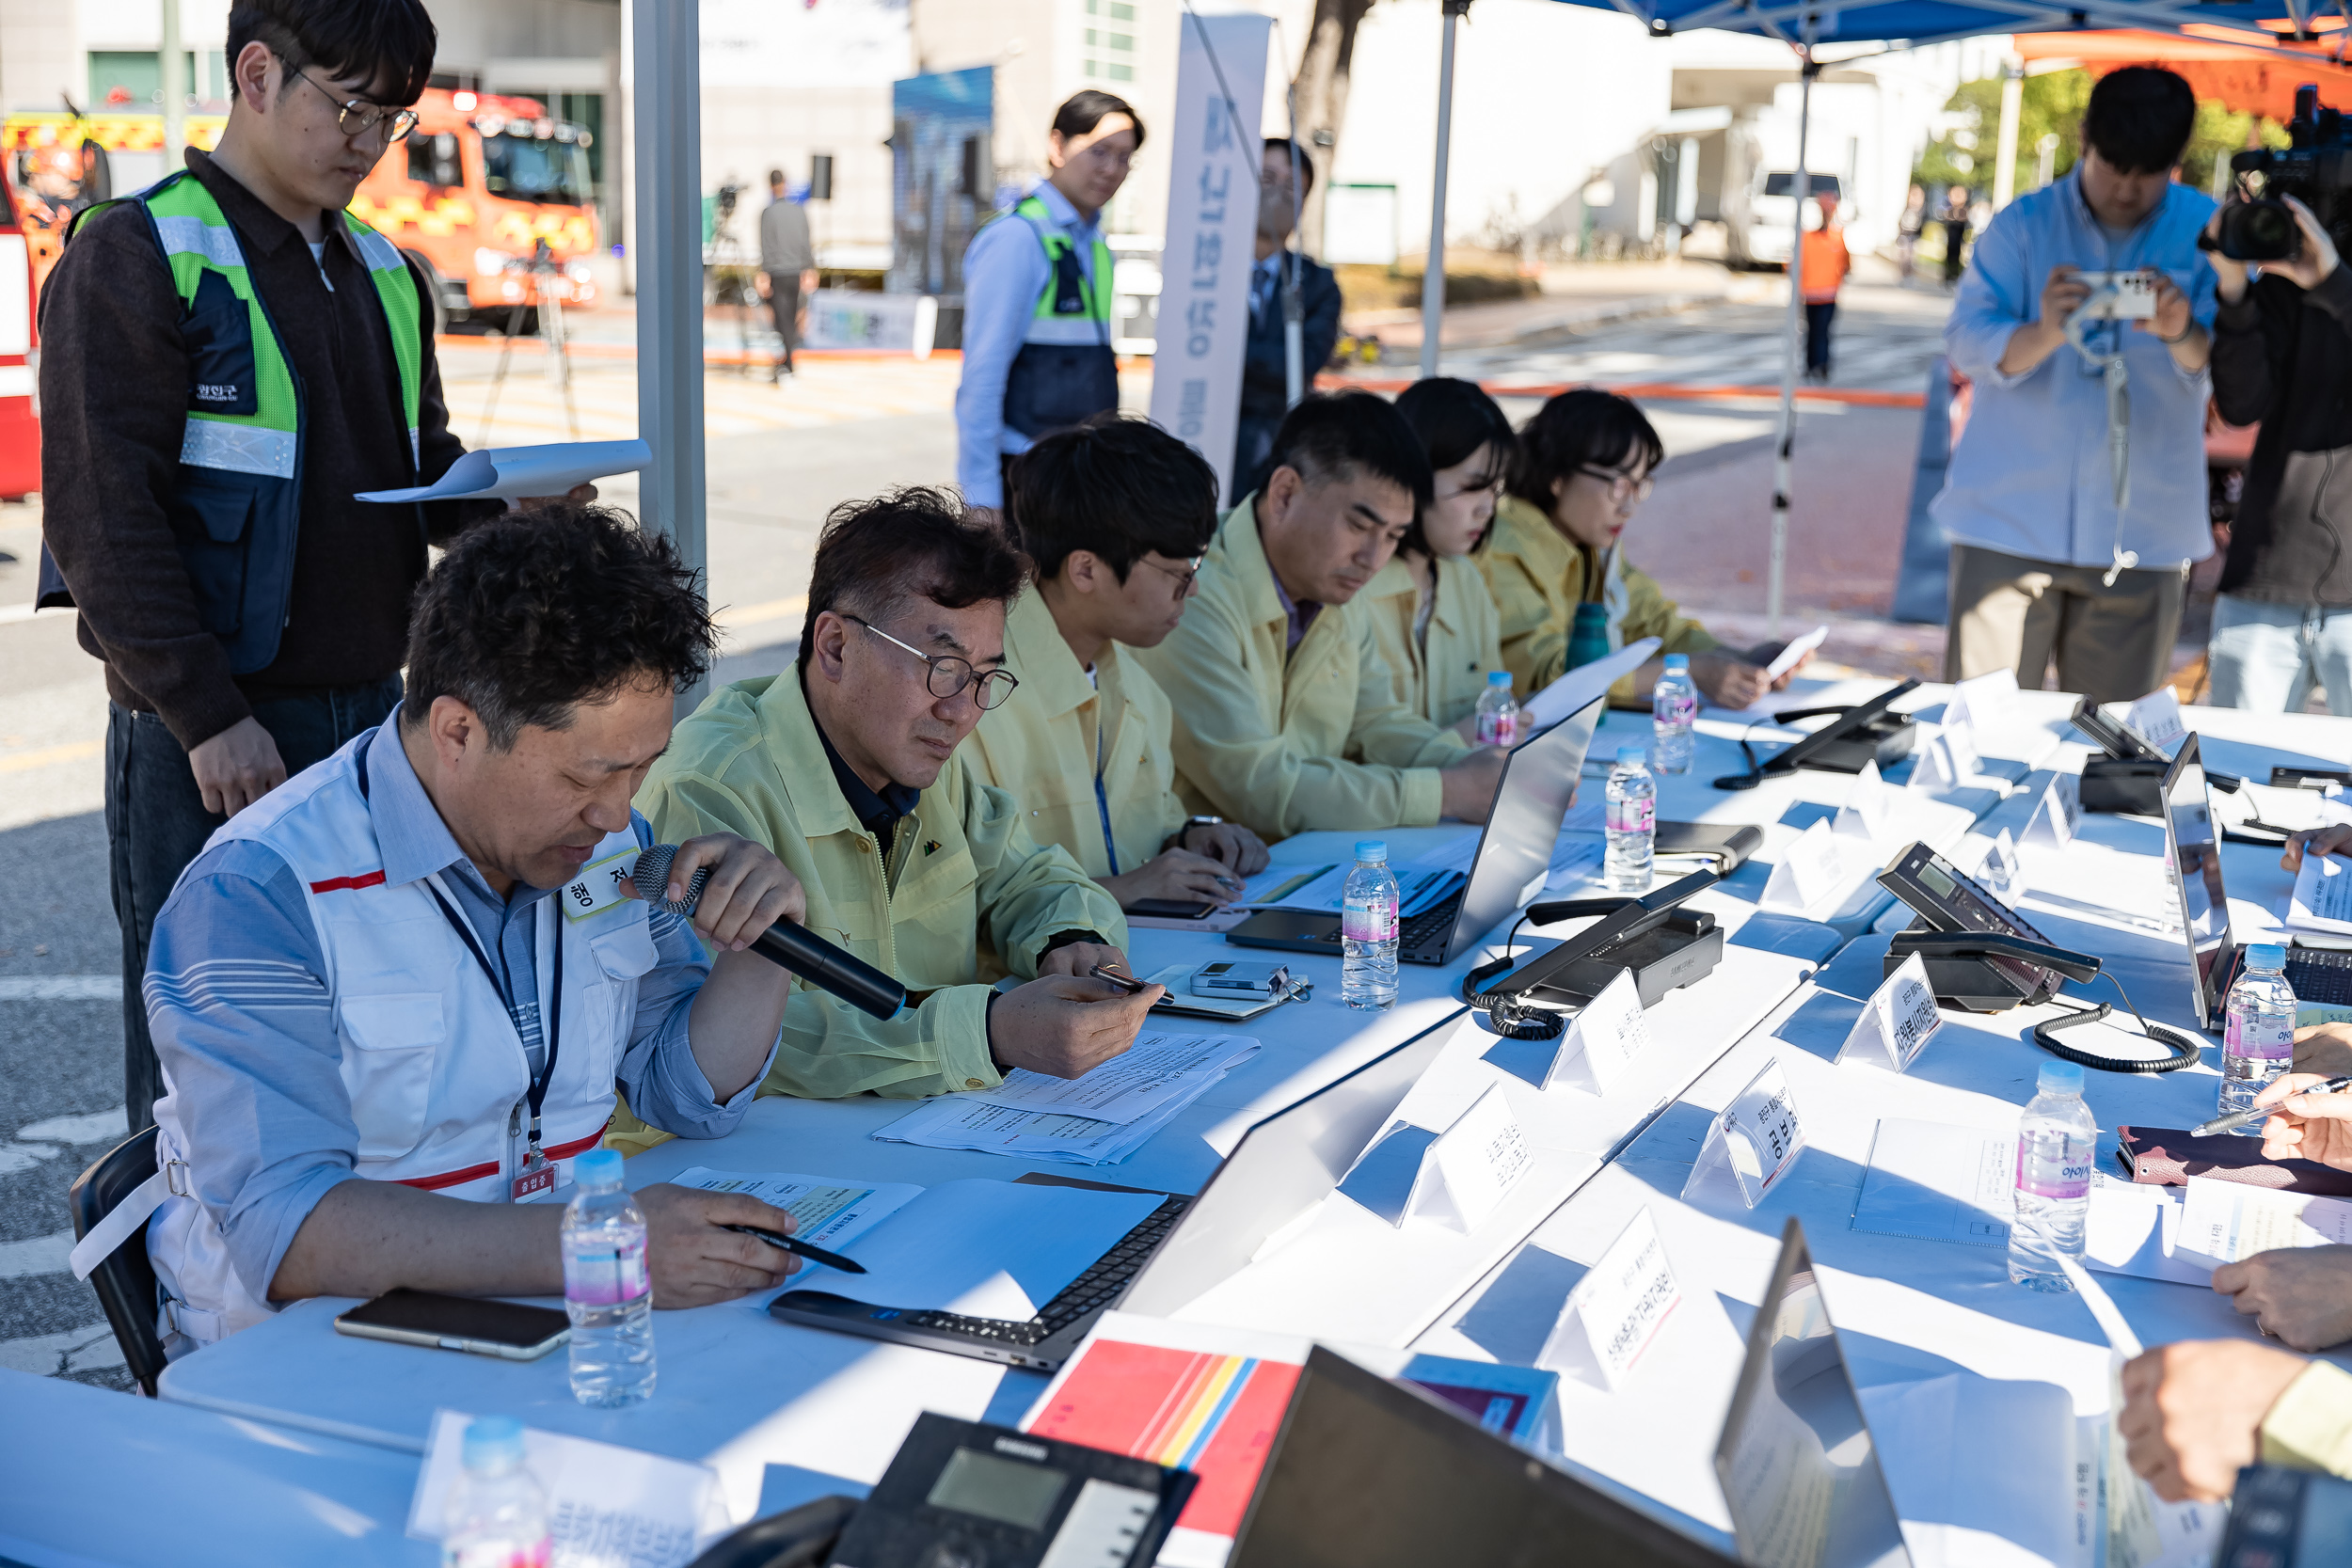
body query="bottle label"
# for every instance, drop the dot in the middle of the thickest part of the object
(1678, 711)
(1633, 816)
(2242, 1035)
(1368, 920)
(1499, 729)
(599, 1272)
(501, 1554)
(2059, 1167)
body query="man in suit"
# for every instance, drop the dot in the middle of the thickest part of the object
(1264, 373)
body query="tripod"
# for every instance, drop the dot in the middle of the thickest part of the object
(548, 305)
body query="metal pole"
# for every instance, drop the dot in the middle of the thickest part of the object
(1294, 298)
(1785, 451)
(1433, 281)
(175, 92)
(2013, 103)
(666, 120)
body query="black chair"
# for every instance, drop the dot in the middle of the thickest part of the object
(125, 1282)
(798, 1537)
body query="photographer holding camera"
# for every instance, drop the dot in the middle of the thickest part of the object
(2282, 356)
(2076, 500)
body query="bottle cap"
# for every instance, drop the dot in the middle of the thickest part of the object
(2265, 956)
(1499, 677)
(2061, 1078)
(1634, 753)
(1677, 661)
(597, 1167)
(493, 1440)
(1372, 849)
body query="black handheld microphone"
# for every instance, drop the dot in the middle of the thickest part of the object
(811, 957)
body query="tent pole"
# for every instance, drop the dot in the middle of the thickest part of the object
(2005, 155)
(1433, 271)
(1783, 453)
(666, 118)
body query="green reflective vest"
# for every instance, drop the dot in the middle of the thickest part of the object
(1065, 369)
(235, 508)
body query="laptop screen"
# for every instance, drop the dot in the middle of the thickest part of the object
(1797, 1467)
(1514, 856)
(2193, 859)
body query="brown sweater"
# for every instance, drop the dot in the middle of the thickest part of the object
(114, 394)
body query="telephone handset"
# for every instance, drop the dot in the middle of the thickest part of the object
(2130, 777)
(1980, 955)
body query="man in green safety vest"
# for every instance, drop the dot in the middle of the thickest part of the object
(228, 357)
(1037, 299)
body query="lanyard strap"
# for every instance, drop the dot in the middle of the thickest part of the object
(1102, 800)
(553, 1035)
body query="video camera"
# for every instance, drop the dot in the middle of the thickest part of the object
(2316, 170)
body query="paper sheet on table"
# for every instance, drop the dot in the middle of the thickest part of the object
(511, 473)
(1456, 854)
(1574, 861)
(608, 1506)
(2321, 900)
(830, 1212)
(1283, 879)
(1585, 685)
(991, 1249)
(1787, 659)
(1156, 1068)
(1418, 887)
(1939, 1183)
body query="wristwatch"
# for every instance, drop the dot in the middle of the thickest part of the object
(1192, 822)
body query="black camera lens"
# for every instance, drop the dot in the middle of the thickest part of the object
(2259, 232)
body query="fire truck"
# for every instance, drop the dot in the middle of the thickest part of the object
(473, 193)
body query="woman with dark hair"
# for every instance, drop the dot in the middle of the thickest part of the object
(1431, 614)
(1585, 465)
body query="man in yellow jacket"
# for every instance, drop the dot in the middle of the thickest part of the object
(1286, 715)
(846, 766)
(1113, 516)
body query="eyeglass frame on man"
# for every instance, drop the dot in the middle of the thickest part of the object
(1621, 485)
(369, 115)
(978, 679)
(1184, 579)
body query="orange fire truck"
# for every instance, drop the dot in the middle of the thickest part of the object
(472, 193)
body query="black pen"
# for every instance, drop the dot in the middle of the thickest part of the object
(1126, 983)
(799, 1248)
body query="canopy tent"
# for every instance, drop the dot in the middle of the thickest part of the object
(1804, 25)
(2250, 77)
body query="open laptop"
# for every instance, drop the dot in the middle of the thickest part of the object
(1513, 859)
(1800, 1474)
(1364, 1470)
(1282, 1166)
(2192, 856)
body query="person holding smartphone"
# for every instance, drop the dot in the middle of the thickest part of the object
(1113, 516)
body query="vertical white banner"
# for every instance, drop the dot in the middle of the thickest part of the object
(1212, 222)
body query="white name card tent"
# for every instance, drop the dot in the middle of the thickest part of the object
(2156, 718)
(1750, 1144)
(1454, 1179)
(2003, 872)
(2058, 815)
(1871, 810)
(1948, 759)
(1897, 1020)
(1600, 1040)
(1811, 872)
(1614, 1314)
(605, 1503)
(1984, 702)
(516, 473)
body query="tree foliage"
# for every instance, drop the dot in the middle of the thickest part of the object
(2053, 105)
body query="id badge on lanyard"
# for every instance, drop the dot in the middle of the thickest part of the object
(534, 1176)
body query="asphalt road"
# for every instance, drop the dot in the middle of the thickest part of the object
(779, 459)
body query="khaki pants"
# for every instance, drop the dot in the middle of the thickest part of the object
(2112, 645)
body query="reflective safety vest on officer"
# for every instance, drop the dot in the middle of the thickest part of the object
(1066, 371)
(235, 505)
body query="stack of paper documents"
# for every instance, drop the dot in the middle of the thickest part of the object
(2321, 903)
(1097, 1119)
(1418, 886)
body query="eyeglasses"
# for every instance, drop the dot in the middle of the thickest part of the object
(949, 675)
(1621, 485)
(355, 117)
(1184, 579)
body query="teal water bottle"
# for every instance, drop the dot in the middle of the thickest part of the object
(1588, 639)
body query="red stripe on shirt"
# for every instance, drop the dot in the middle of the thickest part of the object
(476, 1173)
(342, 884)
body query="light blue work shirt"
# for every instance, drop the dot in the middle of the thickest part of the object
(1005, 271)
(2031, 474)
(237, 999)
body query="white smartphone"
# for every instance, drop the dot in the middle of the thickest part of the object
(2135, 296)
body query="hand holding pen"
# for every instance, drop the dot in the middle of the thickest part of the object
(2318, 1120)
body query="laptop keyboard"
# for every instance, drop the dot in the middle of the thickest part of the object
(2321, 976)
(1424, 932)
(1098, 1287)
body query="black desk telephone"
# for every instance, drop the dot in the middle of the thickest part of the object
(1980, 956)
(1857, 736)
(2129, 776)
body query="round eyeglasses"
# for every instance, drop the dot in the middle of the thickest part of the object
(355, 117)
(1621, 485)
(949, 676)
(1184, 579)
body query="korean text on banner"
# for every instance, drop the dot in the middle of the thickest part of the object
(1212, 219)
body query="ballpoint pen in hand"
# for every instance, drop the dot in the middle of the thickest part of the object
(2253, 1114)
(799, 1248)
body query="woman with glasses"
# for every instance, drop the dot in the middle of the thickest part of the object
(1586, 462)
(1435, 620)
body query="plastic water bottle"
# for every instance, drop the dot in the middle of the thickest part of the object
(1673, 707)
(1368, 930)
(1632, 823)
(2258, 1038)
(2057, 1141)
(1497, 711)
(497, 1516)
(605, 1287)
